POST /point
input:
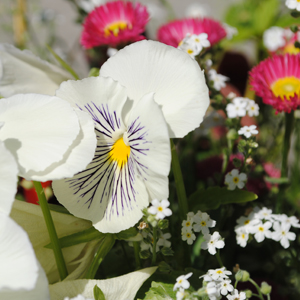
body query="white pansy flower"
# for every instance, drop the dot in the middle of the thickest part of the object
(233, 179)
(182, 282)
(160, 209)
(242, 237)
(168, 73)
(293, 4)
(273, 38)
(237, 108)
(219, 81)
(237, 296)
(252, 108)
(261, 231)
(188, 235)
(212, 242)
(248, 131)
(230, 31)
(23, 72)
(226, 287)
(281, 233)
(203, 222)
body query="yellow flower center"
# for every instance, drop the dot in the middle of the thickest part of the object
(243, 235)
(190, 51)
(219, 272)
(187, 224)
(246, 222)
(261, 229)
(160, 208)
(286, 87)
(188, 235)
(203, 223)
(236, 179)
(120, 152)
(290, 48)
(115, 27)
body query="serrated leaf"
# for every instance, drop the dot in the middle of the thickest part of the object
(213, 197)
(79, 237)
(161, 291)
(98, 294)
(126, 234)
(277, 180)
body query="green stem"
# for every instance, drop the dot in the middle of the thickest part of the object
(105, 245)
(219, 259)
(136, 247)
(289, 125)
(235, 284)
(268, 297)
(181, 194)
(60, 262)
(226, 156)
(255, 295)
(154, 245)
(258, 288)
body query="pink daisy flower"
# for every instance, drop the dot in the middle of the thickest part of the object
(174, 32)
(277, 81)
(114, 23)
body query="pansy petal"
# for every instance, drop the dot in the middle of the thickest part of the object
(79, 155)
(174, 77)
(19, 267)
(38, 130)
(150, 145)
(23, 72)
(8, 179)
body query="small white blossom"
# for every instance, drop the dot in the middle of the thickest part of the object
(182, 282)
(282, 234)
(203, 222)
(230, 31)
(226, 287)
(219, 274)
(208, 63)
(89, 5)
(163, 240)
(190, 216)
(218, 79)
(237, 108)
(188, 235)
(248, 131)
(261, 231)
(212, 242)
(213, 290)
(160, 209)
(293, 4)
(242, 237)
(180, 294)
(187, 224)
(193, 44)
(237, 296)
(245, 223)
(273, 38)
(233, 179)
(111, 51)
(252, 108)
(292, 221)
(201, 40)
(263, 213)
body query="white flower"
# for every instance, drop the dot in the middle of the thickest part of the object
(246, 223)
(226, 287)
(203, 222)
(233, 179)
(187, 224)
(111, 51)
(252, 108)
(190, 216)
(213, 290)
(148, 245)
(263, 213)
(261, 231)
(182, 282)
(201, 40)
(89, 5)
(230, 31)
(242, 237)
(292, 221)
(23, 72)
(180, 294)
(160, 209)
(237, 296)
(196, 10)
(219, 274)
(218, 79)
(188, 235)
(237, 108)
(189, 46)
(282, 234)
(212, 242)
(248, 131)
(168, 73)
(273, 38)
(293, 4)
(163, 240)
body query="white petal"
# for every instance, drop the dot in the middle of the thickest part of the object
(38, 130)
(19, 267)
(125, 286)
(174, 77)
(79, 155)
(23, 72)
(150, 146)
(8, 179)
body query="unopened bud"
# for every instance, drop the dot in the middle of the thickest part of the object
(248, 294)
(265, 288)
(163, 224)
(242, 276)
(143, 225)
(232, 134)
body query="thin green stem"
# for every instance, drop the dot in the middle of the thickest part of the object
(268, 297)
(219, 259)
(226, 156)
(255, 295)
(136, 247)
(154, 245)
(258, 288)
(235, 284)
(60, 262)
(180, 188)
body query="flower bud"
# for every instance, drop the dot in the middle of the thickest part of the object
(242, 275)
(144, 254)
(265, 288)
(248, 294)
(163, 224)
(232, 134)
(167, 251)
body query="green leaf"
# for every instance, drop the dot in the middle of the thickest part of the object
(126, 234)
(295, 14)
(161, 291)
(58, 208)
(94, 72)
(65, 65)
(277, 180)
(84, 236)
(98, 294)
(213, 197)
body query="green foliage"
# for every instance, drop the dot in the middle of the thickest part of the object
(273, 180)
(126, 234)
(212, 198)
(98, 294)
(94, 72)
(160, 291)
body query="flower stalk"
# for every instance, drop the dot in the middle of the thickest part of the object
(258, 288)
(60, 262)
(136, 248)
(154, 245)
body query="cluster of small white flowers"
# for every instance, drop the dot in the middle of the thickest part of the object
(218, 283)
(237, 296)
(193, 44)
(293, 4)
(218, 79)
(199, 222)
(260, 221)
(233, 179)
(160, 209)
(182, 284)
(273, 38)
(241, 106)
(248, 131)
(162, 241)
(212, 242)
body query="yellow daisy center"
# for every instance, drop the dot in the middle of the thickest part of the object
(115, 27)
(261, 229)
(160, 208)
(235, 179)
(120, 152)
(290, 48)
(286, 87)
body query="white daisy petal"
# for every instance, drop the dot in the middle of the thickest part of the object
(174, 77)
